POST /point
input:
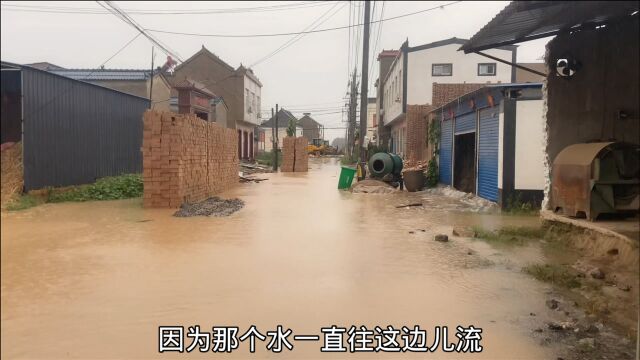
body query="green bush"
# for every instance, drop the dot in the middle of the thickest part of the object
(109, 188)
(432, 173)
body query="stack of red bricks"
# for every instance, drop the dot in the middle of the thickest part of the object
(288, 154)
(185, 159)
(302, 155)
(295, 157)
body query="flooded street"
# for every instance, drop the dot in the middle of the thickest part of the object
(95, 280)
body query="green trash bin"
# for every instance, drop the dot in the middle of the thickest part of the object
(346, 177)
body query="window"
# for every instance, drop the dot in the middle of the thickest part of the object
(441, 69)
(487, 69)
(247, 100)
(258, 108)
(253, 102)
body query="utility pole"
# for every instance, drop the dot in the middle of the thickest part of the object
(353, 102)
(275, 155)
(364, 85)
(151, 81)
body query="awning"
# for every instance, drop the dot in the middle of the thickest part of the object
(528, 20)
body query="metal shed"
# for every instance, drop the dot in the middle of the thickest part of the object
(472, 143)
(74, 132)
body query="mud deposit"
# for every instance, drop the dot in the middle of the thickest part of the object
(213, 206)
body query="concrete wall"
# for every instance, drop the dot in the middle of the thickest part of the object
(529, 156)
(465, 69)
(585, 107)
(185, 159)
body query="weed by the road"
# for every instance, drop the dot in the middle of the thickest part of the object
(109, 188)
(515, 206)
(516, 235)
(23, 202)
(555, 274)
(266, 158)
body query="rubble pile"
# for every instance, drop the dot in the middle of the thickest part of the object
(213, 206)
(415, 165)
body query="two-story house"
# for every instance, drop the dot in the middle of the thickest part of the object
(240, 88)
(416, 71)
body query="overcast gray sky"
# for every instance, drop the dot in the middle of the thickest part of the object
(311, 73)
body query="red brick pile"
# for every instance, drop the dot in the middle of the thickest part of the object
(186, 159)
(295, 157)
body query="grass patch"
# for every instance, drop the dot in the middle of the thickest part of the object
(517, 235)
(23, 202)
(109, 188)
(554, 274)
(266, 158)
(515, 206)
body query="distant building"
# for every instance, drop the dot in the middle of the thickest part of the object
(240, 88)
(284, 117)
(310, 127)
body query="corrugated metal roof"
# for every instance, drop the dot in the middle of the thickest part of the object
(103, 74)
(527, 20)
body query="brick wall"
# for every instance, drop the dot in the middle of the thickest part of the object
(444, 93)
(295, 157)
(185, 159)
(417, 133)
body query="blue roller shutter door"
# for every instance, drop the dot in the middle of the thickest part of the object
(466, 123)
(488, 154)
(446, 149)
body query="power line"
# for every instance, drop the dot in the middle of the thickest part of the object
(302, 32)
(291, 41)
(114, 9)
(96, 11)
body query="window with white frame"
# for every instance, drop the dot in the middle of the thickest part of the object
(487, 69)
(247, 100)
(441, 69)
(253, 102)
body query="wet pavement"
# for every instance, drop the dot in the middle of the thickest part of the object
(95, 280)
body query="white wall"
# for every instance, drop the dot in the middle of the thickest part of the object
(371, 113)
(393, 91)
(465, 69)
(254, 116)
(530, 171)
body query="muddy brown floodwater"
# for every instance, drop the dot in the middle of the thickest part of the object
(96, 279)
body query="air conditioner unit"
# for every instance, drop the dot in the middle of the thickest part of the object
(398, 99)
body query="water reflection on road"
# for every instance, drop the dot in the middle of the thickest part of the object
(95, 280)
